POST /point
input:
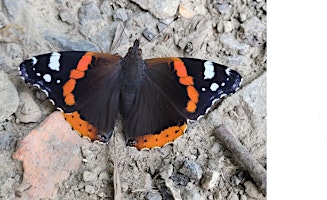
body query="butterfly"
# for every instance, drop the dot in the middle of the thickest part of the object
(155, 97)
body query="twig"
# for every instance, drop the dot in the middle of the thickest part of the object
(257, 172)
(117, 186)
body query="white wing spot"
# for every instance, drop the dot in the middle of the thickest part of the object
(58, 81)
(223, 84)
(209, 72)
(214, 87)
(54, 61)
(38, 74)
(203, 89)
(33, 68)
(34, 60)
(227, 71)
(47, 77)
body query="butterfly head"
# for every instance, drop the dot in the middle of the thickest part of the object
(135, 51)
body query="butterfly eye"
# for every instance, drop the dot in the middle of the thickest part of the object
(139, 51)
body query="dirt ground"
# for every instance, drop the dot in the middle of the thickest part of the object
(195, 166)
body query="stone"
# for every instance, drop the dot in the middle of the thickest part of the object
(180, 179)
(49, 154)
(70, 44)
(106, 8)
(147, 181)
(104, 176)
(232, 196)
(228, 26)
(192, 170)
(235, 180)
(229, 41)
(3, 20)
(186, 12)
(188, 9)
(159, 8)
(66, 16)
(173, 189)
(254, 97)
(100, 33)
(28, 111)
(88, 12)
(153, 196)
(89, 176)
(243, 17)
(254, 26)
(14, 7)
(243, 197)
(9, 100)
(201, 9)
(191, 194)
(89, 189)
(209, 179)
(15, 54)
(166, 171)
(252, 190)
(223, 8)
(237, 60)
(121, 15)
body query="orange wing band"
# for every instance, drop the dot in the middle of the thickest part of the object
(76, 74)
(81, 126)
(159, 140)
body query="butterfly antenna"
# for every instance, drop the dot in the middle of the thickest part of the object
(150, 36)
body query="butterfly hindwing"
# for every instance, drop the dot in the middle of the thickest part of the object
(153, 120)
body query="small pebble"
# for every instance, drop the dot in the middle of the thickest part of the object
(192, 170)
(228, 26)
(104, 176)
(89, 189)
(89, 176)
(252, 190)
(190, 194)
(153, 196)
(232, 196)
(166, 171)
(210, 179)
(121, 14)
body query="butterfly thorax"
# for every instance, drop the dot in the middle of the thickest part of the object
(131, 76)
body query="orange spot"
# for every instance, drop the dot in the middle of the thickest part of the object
(82, 127)
(69, 87)
(193, 93)
(158, 140)
(84, 62)
(191, 106)
(75, 74)
(188, 80)
(70, 99)
(180, 69)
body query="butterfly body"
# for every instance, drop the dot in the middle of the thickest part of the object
(155, 97)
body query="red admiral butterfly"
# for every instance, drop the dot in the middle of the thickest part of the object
(155, 97)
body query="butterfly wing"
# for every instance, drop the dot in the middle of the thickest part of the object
(153, 120)
(174, 90)
(196, 83)
(70, 79)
